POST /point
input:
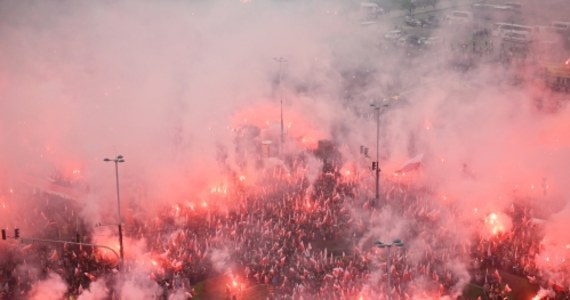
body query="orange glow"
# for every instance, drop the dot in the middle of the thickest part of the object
(346, 170)
(220, 189)
(242, 178)
(267, 117)
(494, 223)
(204, 204)
(154, 263)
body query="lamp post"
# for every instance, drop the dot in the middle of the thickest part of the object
(379, 244)
(376, 164)
(117, 160)
(281, 60)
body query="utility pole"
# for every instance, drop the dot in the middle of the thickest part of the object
(379, 244)
(117, 160)
(376, 164)
(281, 60)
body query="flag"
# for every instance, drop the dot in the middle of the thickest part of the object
(411, 165)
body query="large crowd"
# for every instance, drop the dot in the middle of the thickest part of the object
(300, 240)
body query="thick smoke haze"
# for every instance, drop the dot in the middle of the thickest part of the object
(171, 84)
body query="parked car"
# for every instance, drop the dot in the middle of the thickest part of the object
(394, 35)
(516, 37)
(561, 27)
(430, 21)
(410, 41)
(459, 17)
(413, 22)
(430, 41)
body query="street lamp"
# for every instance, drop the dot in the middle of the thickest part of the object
(117, 160)
(397, 243)
(376, 164)
(281, 60)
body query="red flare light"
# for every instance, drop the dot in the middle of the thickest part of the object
(495, 223)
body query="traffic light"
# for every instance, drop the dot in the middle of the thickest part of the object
(374, 165)
(16, 233)
(4, 234)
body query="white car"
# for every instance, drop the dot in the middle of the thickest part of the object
(560, 26)
(394, 35)
(430, 41)
(459, 17)
(516, 37)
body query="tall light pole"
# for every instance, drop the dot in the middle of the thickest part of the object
(117, 160)
(281, 60)
(379, 244)
(376, 164)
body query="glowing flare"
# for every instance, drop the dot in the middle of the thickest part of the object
(494, 223)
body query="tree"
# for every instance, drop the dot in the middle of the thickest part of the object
(433, 3)
(409, 5)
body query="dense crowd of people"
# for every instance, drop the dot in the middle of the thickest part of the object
(300, 240)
